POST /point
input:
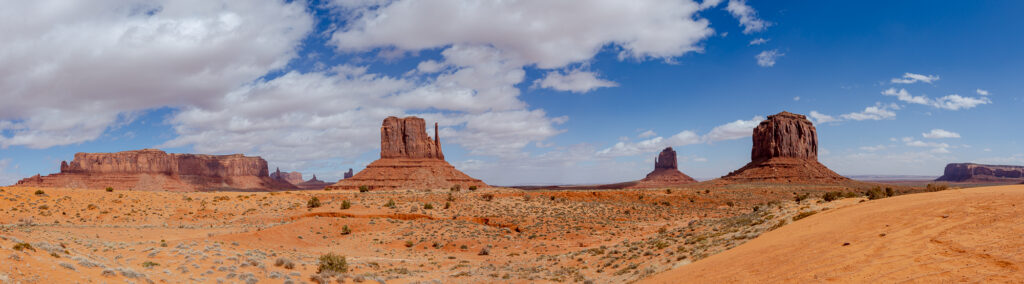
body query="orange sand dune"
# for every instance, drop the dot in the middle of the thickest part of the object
(966, 235)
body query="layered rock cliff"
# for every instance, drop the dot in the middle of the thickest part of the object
(409, 159)
(971, 172)
(152, 169)
(785, 149)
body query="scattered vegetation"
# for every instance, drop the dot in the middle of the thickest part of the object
(456, 187)
(428, 206)
(345, 230)
(487, 197)
(23, 247)
(936, 187)
(801, 197)
(110, 189)
(40, 192)
(879, 193)
(149, 264)
(346, 204)
(390, 204)
(363, 188)
(472, 187)
(284, 262)
(313, 202)
(332, 263)
(836, 195)
(802, 215)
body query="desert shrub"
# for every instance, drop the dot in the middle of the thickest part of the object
(39, 192)
(390, 204)
(409, 244)
(875, 193)
(456, 187)
(484, 251)
(804, 215)
(345, 230)
(284, 262)
(332, 263)
(730, 203)
(472, 187)
(800, 197)
(832, 195)
(313, 202)
(346, 204)
(23, 246)
(110, 189)
(450, 197)
(889, 192)
(447, 205)
(428, 206)
(150, 264)
(363, 188)
(936, 187)
(487, 197)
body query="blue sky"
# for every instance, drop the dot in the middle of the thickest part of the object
(526, 92)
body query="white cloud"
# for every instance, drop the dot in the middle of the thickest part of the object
(939, 148)
(820, 118)
(646, 134)
(940, 133)
(873, 148)
(981, 92)
(877, 112)
(747, 16)
(950, 102)
(576, 81)
(7, 177)
(758, 41)
(910, 78)
(767, 58)
(797, 98)
(73, 69)
(729, 131)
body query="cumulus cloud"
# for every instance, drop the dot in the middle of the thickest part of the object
(747, 16)
(646, 134)
(7, 177)
(767, 58)
(729, 131)
(939, 148)
(940, 133)
(949, 102)
(576, 81)
(758, 41)
(910, 78)
(819, 118)
(73, 69)
(981, 92)
(877, 112)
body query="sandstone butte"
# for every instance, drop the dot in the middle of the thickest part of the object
(348, 174)
(970, 172)
(313, 184)
(292, 177)
(785, 149)
(666, 172)
(155, 170)
(409, 159)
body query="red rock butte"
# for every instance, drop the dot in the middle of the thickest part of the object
(409, 159)
(155, 170)
(785, 149)
(970, 172)
(666, 172)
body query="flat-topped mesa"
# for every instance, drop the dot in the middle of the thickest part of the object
(971, 172)
(785, 149)
(409, 159)
(787, 135)
(151, 169)
(666, 172)
(407, 138)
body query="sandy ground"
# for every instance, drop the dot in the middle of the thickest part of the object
(965, 235)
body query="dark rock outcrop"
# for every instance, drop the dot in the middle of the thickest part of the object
(971, 172)
(409, 159)
(313, 184)
(348, 174)
(152, 169)
(785, 149)
(665, 174)
(289, 177)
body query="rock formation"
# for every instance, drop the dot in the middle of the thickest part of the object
(785, 149)
(666, 172)
(348, 174)
(971, 172)
(292, 177)
(152, 170)
(409, 159)
(313, 184)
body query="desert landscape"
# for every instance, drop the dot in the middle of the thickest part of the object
(517, 141)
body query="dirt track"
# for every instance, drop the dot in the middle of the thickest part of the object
(965, 235)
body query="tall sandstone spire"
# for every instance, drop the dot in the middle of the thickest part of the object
(666, 172)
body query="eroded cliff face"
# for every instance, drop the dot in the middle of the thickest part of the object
(289, 177)
(666, 159)
(970, 172)
(785, 149)
(409, 159)
(152, 169)
(407, 138)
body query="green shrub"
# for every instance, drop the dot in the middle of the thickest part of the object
(487, 197)
(428, 206)
(23, 246)
(150, 264)
(832, 195)
(875, 193)
(345, 230)
(472, 187)
(409, 244)
(346, 204)
(313, 202)
(889, 192)
(456, 187)
(447, 205)
(937, 187)
(363, 188)
(110, 189)
(390, 204)
(332, 263)
(800, 197)
(40, 192)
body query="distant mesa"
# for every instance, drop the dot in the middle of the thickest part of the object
(348, 174)
(155, 170)
(666, 172)
(409, 159)
(971, 172)
(785, 149)
(292, 177)
(313, 184)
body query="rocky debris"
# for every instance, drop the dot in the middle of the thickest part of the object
(407, 138)
(666, 172)
(971, 172)
(785, 149)
(409, 159)
(292, 177)
(153, 170)
(349, 173)
(313, 184)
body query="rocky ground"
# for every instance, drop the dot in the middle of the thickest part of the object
(486, 235)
